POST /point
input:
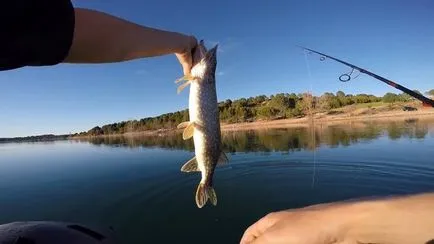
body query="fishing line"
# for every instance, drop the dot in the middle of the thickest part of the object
(312, 119)
(308, 70)
(347, 77)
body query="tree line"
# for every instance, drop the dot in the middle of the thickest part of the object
(287, 140)
(35, 138)
(262, 107)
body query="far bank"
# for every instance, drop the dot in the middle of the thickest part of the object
(346, 115)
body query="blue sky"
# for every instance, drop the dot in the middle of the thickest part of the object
(258, 55)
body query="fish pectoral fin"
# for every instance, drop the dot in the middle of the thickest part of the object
(188, 131)
(190, 166)
(223, 159)
(185, 77)
(181, 87)
(183, 125)
(188, 79)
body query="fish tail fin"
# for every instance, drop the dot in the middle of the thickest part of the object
(212, 195)
(203, 193)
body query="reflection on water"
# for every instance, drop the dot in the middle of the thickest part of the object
(285, 139)
(142, 193)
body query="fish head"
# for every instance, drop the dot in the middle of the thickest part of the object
(205, 61)
(211, 59)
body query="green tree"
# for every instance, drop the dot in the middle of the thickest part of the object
(240, 114)
(266, 112)
(95, 131)
(390, 97)
(329, 101)
(340, 94)
(281, 105)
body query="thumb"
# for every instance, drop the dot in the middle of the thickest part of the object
(348, 242)
(186, 62)
(278, 235)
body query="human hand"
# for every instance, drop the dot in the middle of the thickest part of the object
(186, 56)
(394, 221)
(302, 226)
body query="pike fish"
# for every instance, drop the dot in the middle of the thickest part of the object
(204, 123)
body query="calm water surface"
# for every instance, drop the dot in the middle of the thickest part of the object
(135, 184)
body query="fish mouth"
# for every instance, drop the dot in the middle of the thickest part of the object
(202, 54)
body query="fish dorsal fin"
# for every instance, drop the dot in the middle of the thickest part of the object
(188, 131)
(223, 159)
(183, 125)
(190, 166)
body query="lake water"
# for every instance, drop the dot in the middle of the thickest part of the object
(135, 184)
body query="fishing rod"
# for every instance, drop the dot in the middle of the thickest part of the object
(347, 77)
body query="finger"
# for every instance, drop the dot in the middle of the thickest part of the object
(186, 62)
(258, 228)
(188, 56)
(347, 242)
(281, 234)
(196, 55)
(271, 237)
(276, 234)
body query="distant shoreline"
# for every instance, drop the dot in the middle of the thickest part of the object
(39, 138)
(339, 116)
(318, 119)
(322, 118)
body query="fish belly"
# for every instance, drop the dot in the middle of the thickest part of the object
(204, 112)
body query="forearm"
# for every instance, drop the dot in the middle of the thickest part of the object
(102, 38)
(407, 220)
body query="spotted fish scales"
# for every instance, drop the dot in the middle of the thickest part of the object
(204, 124)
